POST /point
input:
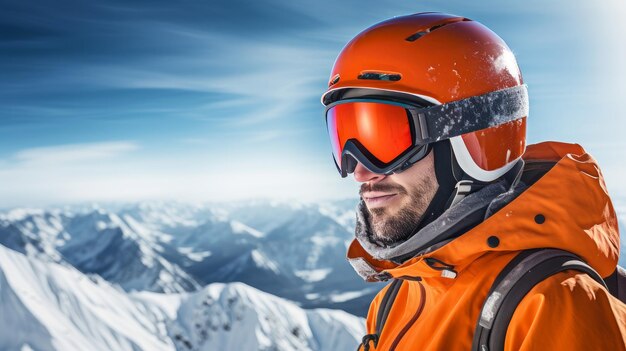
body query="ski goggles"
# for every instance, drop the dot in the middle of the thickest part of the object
(388, 136)
(382, 135)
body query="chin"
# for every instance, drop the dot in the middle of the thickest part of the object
(381, 221)
(378, 213)
(385, 211)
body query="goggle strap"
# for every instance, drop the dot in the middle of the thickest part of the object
(459, 117)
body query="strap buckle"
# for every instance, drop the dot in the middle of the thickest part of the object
(366, 341)
(463, 187)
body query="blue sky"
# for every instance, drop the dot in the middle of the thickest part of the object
(191, 100)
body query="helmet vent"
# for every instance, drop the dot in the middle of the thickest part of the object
(392, 77)
(333, 80)
(433, 28)
(418, 35)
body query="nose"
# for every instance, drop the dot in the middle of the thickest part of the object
(364, 175)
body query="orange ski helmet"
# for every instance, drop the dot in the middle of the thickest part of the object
(436, 59)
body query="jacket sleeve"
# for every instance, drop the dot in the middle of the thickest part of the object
(568, 311)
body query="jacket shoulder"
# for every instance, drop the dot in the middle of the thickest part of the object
(568, 311)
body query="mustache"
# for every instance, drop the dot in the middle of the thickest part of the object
(381, 187)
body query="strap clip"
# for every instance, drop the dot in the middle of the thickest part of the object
(366, 341)
(463, 187)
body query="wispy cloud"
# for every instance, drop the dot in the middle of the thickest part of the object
(73, 153)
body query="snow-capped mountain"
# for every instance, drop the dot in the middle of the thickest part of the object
(298, 252)
(104, 244)
(169, 217)
(33, 232)
(292, 250)
(49, 306)
(96, 242)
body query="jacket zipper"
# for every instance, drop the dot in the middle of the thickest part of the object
(406, 328)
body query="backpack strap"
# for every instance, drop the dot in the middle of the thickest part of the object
(381, 317)
(517, 278)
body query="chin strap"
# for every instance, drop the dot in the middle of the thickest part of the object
(467, 185)
(453, 182)
(462, 188)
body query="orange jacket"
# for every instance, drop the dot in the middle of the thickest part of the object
(568, 311)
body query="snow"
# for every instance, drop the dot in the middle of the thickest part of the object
(346, 296)
(194, 256)
(506, 61)
(313, 275)
(263, 262)
(18, 214)
(59, 308)
(312, 296)
(325, 240)
(240, 228)
(167, 303)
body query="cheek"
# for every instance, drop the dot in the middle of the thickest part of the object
(423, 179)
(432, 183)
(422, 169)
(419, 181)
(424, 188)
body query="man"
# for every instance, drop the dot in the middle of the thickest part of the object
(428, 111)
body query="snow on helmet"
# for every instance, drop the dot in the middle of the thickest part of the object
(438, 59)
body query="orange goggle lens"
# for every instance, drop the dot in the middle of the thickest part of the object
(383, 129)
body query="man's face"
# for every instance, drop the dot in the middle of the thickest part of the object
(396, 203)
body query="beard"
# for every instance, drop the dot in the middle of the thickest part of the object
(388, 228)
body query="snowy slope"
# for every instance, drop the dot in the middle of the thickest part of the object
(51, 307)
(47, 306)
